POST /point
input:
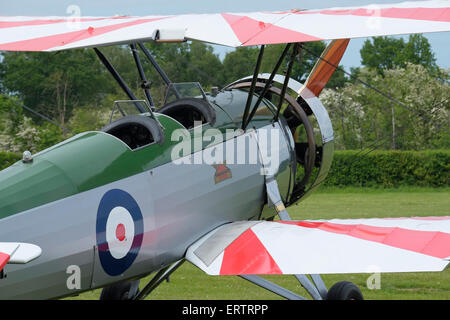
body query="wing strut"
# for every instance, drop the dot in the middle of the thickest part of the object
(162, 275)
(267, 86)
(295, 50)
(119, 79)
(158, 68)
(252, 87)
(318, 290)
(145, 85)
(285, 293)
(155, 64)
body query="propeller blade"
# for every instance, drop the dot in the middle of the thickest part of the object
(324, 67)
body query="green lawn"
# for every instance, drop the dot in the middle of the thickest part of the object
(191, 283)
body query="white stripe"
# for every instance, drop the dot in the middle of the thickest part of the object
(407, 223)
(408, 4)
(210, 28)
(349, 26)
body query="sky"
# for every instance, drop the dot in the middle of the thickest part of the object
(439, 41)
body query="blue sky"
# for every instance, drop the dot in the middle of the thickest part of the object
(439, 41)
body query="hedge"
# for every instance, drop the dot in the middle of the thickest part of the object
(377, 169)
(390, 169)
(7, 159)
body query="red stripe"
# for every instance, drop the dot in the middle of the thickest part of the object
(428, 14)
(4, 258)
(48, 42)
(252, 32)
(431, 243)
(247, 255)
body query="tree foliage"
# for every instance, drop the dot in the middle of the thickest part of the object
(362, 117)
(74, 89)
(53, 83)
(242, 61)
(384, 53)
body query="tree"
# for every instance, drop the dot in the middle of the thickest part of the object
(418, 51)
(385, 53)
(381, 53)
(53, 83)
(362, 117)
(182, 62)
(239, 63)
(242, 62)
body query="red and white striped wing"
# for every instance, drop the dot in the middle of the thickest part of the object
(17, 252)
(230, 29)
(324, 247)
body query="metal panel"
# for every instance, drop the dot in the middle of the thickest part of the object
(323, 121)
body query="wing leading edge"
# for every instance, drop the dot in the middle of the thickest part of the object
(324, 247)
(18, 33)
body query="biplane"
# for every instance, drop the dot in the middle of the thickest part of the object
(201, 177)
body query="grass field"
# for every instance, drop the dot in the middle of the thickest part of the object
(191, 283)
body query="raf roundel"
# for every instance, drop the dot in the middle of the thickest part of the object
(119, 231)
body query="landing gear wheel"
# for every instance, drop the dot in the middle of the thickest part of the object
(344, 290)
(120, 291)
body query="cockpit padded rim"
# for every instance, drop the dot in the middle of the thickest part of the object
(198, 104)
(145, 121)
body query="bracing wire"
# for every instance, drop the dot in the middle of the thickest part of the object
(386, 95)
(37, 113)
(376, 144)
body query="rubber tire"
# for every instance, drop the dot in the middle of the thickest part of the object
(344, 290)
(118, 291)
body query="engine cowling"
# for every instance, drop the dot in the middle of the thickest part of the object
(311, 128)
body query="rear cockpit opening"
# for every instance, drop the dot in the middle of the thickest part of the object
(190, 112)
(186, 103)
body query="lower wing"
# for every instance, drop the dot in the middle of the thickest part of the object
(322, 247)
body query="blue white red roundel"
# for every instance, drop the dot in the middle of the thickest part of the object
(119, 231)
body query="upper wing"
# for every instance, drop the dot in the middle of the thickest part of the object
(321, 247)
(20, 33)
(15, 252)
